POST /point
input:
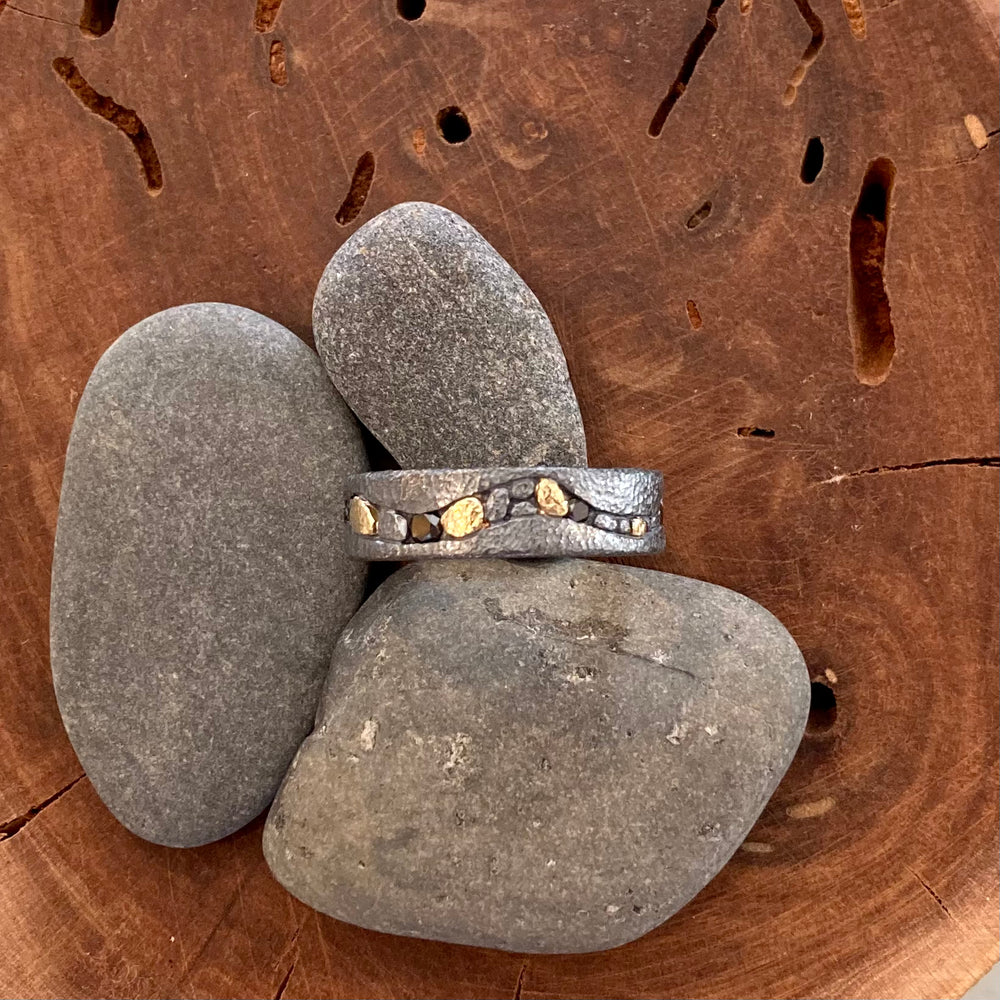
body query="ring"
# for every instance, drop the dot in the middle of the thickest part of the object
(504, 513)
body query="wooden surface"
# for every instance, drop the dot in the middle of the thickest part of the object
(813, 367)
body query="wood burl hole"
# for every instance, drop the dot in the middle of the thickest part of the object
(869, 315)
(453, 126)
(812, 161)
(700, 216)
(97, 17)
(278, 63)
(411, 10)
(822, 707)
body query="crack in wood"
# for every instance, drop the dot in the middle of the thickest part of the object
(519, 985)
(695, 51)
(38, 17)
(811, 53)
(283, 985)
(14, 826)
(937, 899)
(989, 462)
(124, 119)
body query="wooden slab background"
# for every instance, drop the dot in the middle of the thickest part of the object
(867, 522)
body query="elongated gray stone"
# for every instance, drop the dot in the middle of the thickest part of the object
(543, 757)
(441, 349)
(199, 583)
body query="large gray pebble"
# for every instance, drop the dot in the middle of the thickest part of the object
(441, 349)
(198, 583)
(548, 757)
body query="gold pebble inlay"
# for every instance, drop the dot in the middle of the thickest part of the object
(639, 526)
(363, 516)
(464, 517)
(551, 499)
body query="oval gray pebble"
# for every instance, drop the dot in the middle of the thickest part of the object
(198, 583)
(542, 757)
(441, 349)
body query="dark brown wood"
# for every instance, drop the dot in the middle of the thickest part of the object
(716, 327)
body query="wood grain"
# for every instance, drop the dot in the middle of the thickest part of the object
(866, 521)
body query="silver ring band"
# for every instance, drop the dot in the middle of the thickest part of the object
(504, 513)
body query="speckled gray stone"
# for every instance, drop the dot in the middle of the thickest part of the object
(497, 504)
(199, 581)
(392, 527)
(441, 349)
(543, 757)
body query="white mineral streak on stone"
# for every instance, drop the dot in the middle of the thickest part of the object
(456, 755)
(369, 734)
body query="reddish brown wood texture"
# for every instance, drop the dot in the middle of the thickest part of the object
(866, 522)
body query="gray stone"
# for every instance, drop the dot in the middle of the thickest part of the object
(544, 757)
(441, 349)
(199, 581)
(392, 526)
(496, 505)
(525, 508)
(522, 489)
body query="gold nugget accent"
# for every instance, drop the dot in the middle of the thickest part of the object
(363, 516)
(638, 526)
(463, 517)
(551, 499)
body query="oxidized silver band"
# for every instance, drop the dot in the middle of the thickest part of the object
(504, 513)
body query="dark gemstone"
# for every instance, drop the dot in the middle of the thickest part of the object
(579, 511)
(425, 527)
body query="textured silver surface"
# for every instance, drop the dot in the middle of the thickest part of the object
(617, 493)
